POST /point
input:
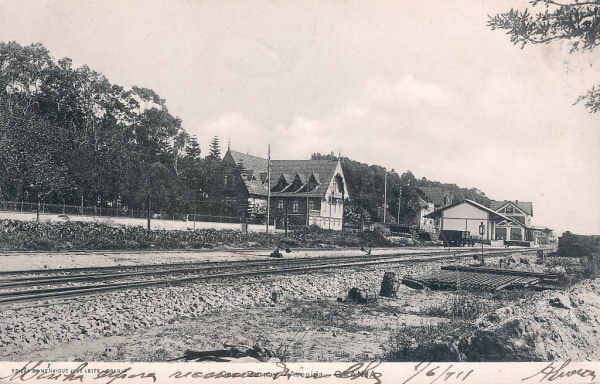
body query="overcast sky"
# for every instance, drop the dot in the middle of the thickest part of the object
(424, 86)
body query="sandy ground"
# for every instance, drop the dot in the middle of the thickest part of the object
(14, 261)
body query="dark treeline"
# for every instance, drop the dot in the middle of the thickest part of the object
(366, 186)
(68, 135)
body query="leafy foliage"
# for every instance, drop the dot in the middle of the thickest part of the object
(570, 244)
(67, 134)
(575, 21)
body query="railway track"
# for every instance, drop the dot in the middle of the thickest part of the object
(10, 252)
(90, 281)
(46, 271)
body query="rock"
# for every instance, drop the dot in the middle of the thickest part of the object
(276, 253)
(356, 295)
(557, 303)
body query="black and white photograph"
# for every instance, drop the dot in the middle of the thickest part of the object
(279, 182)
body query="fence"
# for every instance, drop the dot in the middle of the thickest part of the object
(126, 212)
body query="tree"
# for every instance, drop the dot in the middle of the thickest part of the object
(67, 133)
(192, 150)
(407, 178)
(575, 21)
(214, 149)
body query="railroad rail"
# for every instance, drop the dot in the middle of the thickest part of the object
(46, 271)
(196, 272)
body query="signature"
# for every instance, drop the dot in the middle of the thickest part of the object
(359, 372)
(551, 373)
(36, 371)
(355, 371)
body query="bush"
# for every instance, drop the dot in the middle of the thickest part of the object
(570, 244)
(591, 266)
(381, 228)
(425, 343)
(16, 234)
(461, 306)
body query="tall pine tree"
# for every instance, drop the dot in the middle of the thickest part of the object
(214, 149)
(192, 151)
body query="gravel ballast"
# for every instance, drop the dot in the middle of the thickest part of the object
(32, 328)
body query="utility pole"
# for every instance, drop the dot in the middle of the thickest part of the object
(399, 197)
(148, 209)
(307, 207)
(384, 194)
(268, 185)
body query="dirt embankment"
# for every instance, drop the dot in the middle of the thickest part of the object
(538, 330)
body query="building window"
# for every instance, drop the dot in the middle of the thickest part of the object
(295, 206)
(515, 234)
(314, 205)
(500, 233)
(280, 204)
(226, 180)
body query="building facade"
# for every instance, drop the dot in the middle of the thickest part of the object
(425, 223)
(470, 216)
(517, 229)
(303, 192)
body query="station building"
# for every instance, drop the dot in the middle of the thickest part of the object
(303, 192)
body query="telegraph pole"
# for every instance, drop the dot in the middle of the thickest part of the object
(398, 219)
(148, 209)
(384, 194)
(268, 186)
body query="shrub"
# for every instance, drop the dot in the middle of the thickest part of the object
(425, 343)
(16, 234)
(381, 228)
(591, 266)
(462, 306)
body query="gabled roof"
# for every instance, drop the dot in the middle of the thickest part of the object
(325, 170)
(434, 194)
(322, 171)
(525, 206)
(257, 164)
(437, 212)
(255, 187)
